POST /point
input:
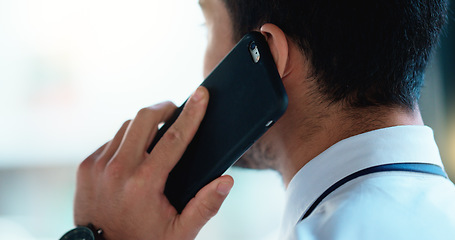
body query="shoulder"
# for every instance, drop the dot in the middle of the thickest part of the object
(385, 206)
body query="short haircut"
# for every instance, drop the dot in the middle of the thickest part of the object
(363, 53)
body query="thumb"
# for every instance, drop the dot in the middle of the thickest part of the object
(205, 205)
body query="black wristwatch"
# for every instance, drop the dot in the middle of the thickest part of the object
(88, 232)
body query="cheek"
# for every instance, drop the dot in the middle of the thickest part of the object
(218, 46)
(209, 61)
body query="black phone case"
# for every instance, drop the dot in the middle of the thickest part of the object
(244, 98)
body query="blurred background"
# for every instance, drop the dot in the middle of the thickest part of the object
(71, 72)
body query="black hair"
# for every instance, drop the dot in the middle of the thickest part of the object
(363, 53)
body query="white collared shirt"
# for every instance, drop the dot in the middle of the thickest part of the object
(385, 205)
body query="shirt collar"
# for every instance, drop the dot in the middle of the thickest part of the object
(398, 144)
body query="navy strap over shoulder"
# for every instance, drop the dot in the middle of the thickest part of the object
(405, 167)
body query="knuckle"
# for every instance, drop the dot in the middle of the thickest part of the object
(114, 169)
(169, 104)
(86, 165)
(145, 112)
(126, 123)
(99, 165)
(163, 106)
(207, 210)
(141, 173)
(174, 134)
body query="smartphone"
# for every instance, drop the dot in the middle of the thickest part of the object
(246, 97)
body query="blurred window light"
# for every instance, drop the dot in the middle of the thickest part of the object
(71, 72)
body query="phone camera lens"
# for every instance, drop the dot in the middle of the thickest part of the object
(252, 45)
(254, 51)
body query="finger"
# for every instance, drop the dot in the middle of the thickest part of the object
(85, 172)
(111, 147)
(133, 145)
(172, 145)
(86, 166)
(145, 125)
(204, 205)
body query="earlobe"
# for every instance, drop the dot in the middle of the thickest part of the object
(278, 45)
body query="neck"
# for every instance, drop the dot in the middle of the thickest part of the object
(320, 127)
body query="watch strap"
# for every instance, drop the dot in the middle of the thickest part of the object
(89, 232)
(97, 232)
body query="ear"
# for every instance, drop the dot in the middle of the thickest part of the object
(278, 45)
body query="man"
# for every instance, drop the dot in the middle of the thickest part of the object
(351, 148)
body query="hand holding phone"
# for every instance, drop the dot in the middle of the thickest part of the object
(246, 97)
(120, 182)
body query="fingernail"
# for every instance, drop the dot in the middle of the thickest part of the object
(224, 188)
(197, 95)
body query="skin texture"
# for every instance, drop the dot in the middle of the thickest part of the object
(120, 186)
(311, 123)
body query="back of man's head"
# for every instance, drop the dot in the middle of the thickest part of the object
(363, 53)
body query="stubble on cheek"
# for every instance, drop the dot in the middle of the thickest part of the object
(259, 156)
